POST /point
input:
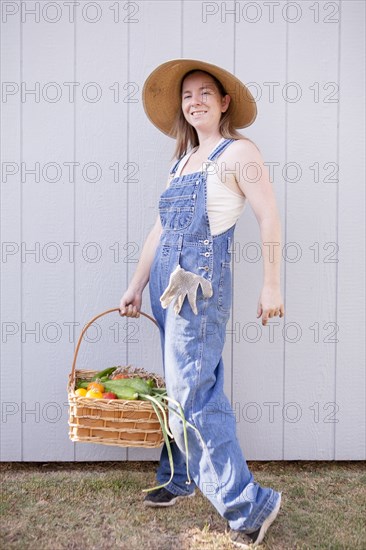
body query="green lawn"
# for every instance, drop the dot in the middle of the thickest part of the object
(99, 506)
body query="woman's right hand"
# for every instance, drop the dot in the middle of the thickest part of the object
(130, 303)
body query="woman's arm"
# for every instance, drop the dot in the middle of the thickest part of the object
(253, 179)
(141, 276)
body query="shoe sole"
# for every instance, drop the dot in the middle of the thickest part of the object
(165, 504)
(268, 522)
(264, 528)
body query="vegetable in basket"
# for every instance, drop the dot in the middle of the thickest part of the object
(104, 373)
(124, 392)
(140, 385)
(109, 395)
(94, 394)
(95, 386)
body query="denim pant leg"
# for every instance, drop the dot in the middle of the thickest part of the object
(177, 485)
(195, 378)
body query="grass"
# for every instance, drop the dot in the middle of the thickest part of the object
(85, 506)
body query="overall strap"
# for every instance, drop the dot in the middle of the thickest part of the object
(175, 166)
(215, 153)
(220, 148)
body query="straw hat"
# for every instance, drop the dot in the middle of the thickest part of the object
(161, 93)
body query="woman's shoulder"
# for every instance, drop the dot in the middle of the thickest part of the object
(243, 151)
(244, 146)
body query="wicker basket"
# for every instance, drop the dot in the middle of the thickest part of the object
(119, 422)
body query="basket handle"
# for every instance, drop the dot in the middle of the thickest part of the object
(91, 322)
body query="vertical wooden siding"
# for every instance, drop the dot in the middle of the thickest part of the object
(297, 386)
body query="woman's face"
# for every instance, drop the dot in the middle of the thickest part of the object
(202, 104)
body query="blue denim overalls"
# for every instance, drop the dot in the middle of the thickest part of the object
(192, 357)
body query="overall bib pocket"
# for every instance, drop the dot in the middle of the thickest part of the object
(176, 212)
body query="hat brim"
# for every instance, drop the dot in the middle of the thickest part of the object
(161, 93)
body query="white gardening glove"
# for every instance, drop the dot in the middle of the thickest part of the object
(181, 284)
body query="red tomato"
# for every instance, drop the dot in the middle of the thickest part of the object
(109, 395)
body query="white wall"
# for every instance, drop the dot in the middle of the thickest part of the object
(297, 385)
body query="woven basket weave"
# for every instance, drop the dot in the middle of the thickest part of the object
(118, 422)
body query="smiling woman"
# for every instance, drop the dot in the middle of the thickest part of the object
(187, 263)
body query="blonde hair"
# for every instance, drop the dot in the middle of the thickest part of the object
(186, 135)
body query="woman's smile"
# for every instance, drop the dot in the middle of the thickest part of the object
(196, 114)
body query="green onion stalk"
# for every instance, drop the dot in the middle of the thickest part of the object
(156, 402)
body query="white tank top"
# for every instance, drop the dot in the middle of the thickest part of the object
(224, 206)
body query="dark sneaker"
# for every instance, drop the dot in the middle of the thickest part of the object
(163, 497)
(241, 539)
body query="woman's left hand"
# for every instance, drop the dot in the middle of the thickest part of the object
(270, 303)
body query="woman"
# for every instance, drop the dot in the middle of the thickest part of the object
(188, 255)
